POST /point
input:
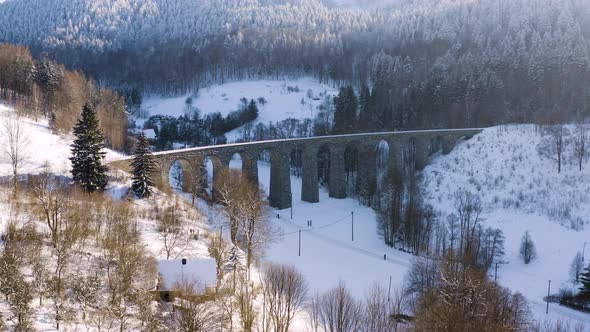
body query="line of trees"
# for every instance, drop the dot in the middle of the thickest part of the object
(194, 129)
(46, 89)
(562, 143)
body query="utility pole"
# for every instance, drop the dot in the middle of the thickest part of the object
(496, 269)
(548, 293)
(389, 290)
(496, 273)
(583, 251)
(352, 215)
(299, 243)
(291, 195)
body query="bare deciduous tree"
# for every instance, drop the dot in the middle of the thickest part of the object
(469, 209)
(195, 187)
(527, 248)
(339, 311)
(313, 312)
(465, 300)
(171, 232)
(245, 209)
(191, 316)
(422, 276)
(576, 267)
(553, 144)
(379, 311)
(219, 250)
(580, 138)
(52, 199)
(284, 291)
(129, 270)
(16, 146)
(71, 232)
(16, 289)
(246, 293)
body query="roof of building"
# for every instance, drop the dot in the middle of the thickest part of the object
(149, 133)
(202, 272)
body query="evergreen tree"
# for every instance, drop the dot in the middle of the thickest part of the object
(367, 114)
(345, 117)
(87, 155)
(585, 280)
(252, 111)
(143, 166)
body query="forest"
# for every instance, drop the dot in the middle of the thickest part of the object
(429, 65)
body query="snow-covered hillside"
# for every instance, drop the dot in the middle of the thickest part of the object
(41, 147)
(298, 99)
(500, 162)
(521, 191)
(503, 165)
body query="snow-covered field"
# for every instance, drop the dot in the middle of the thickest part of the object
(521, 191)
(284, 99)
(328, 252)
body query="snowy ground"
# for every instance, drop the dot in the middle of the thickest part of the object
(521, 191)
(282, 101)
(502, 163)
(328, 252)
(43, 147)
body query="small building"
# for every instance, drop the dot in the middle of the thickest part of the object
(199, 273)
(150, 133)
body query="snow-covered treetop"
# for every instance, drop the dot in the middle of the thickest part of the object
(109, 24)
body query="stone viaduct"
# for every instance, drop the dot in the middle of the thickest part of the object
(405, 148)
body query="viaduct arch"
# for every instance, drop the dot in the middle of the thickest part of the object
(411, 148)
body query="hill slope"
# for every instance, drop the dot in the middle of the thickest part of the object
(42, 147)
(520, 191)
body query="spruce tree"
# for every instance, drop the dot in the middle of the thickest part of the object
(367, 121)
(585, 280)
(88, 169)
(252, 111)
(143, 166)
(345, 111)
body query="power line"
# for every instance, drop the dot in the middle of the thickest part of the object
(345, 245)
(318, 228)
